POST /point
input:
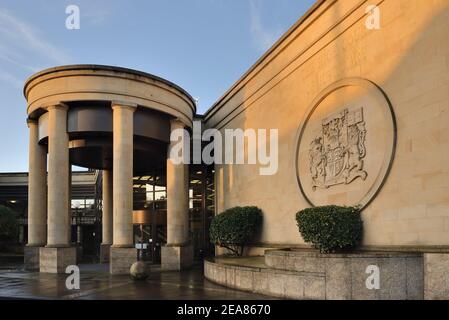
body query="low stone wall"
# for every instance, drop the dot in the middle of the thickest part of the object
(305, 274)
(401, 274)
(276, 283)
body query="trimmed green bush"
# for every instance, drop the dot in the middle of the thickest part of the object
(8, 224)
(234, 228)
(331, 228)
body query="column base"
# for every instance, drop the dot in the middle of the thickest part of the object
(176, 258)
(31, 258)
(105, 253)
(56, 260)
(121, 260)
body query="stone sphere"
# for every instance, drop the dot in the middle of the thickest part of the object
(139, 271)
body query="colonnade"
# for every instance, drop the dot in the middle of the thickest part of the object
(49, 223)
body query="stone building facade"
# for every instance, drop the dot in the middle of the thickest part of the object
(331, 78)
(110, 119)
(362, 116)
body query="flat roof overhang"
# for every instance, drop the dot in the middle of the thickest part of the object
(77, 83)
(89, 91)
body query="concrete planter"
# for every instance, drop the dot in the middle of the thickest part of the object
(302, 274)
(275, 283)
(401, 275)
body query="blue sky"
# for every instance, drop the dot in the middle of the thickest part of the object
(202, 45)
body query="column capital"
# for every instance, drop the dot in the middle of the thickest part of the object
(121, 104)
(31, 122)
(177, 123)
(53, 106)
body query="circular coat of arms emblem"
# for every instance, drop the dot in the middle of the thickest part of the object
(346, 144)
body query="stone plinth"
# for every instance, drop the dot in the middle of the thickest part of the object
(176, 258)
(311, 275)
(263, 280)
(105, 253)
(401, 274)
(121, 260)
(31, 258)
(436, 281)
(56, 260)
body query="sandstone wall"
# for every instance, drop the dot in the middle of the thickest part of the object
(408, 59)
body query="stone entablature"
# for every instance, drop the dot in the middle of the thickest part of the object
(104, 83)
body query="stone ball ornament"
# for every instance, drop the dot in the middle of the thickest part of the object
(139, 271)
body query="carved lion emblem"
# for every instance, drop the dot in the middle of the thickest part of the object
(336, 155)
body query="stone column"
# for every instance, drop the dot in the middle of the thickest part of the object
(58, 253)
(123, 254)
(106, 217)
(178, 253)
(69, 207)
(37, 198)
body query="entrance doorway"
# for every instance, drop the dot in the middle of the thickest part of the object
(150, 234)
(150, 212)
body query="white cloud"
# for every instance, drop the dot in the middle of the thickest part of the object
(263, 38)
(96, 13)
(20, 34)
(21, 46)
(95, 17)
(11, 79)
(13, 58)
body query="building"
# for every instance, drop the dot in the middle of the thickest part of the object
(85, 207)
(363, 119)
(392, 85)
(97, 116)
(362, 115)
(86, 213)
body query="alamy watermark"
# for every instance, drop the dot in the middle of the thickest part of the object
(73, 21)
(372, 21)
(236, 146)
(73, 280)
(373, 281)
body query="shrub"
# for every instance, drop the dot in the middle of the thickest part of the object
(8, 224)
(234, 228)
(331, 228)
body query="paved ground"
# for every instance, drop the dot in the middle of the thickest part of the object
(96, 283)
